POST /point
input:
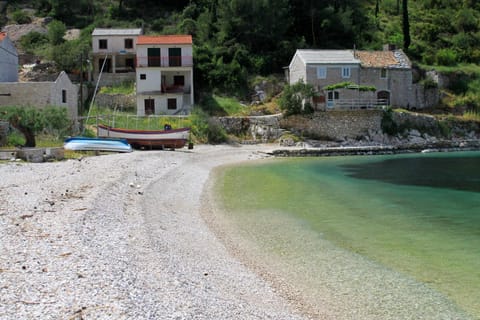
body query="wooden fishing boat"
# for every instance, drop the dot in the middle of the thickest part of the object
(97, 144)
(150, 139)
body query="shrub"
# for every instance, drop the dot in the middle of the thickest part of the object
(293, 96)
(20, 17)
(205, 128)
(388, 124)
(33, 40)
(446, 57)
(56, 31)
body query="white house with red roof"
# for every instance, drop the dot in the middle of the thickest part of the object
(164, 74)
(8, 59)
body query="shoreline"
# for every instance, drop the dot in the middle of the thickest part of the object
(350, 286)
(353, 149)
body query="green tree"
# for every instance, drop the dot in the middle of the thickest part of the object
(30, 121)
(56, 32)
(27, 120)
(295, 99)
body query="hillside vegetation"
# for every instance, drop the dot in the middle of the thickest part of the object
(236, 40)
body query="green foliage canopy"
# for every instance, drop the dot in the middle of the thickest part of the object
(295, 99)
(30, 120)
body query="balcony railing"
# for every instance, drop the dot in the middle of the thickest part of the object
(165, 61)
(357, 103)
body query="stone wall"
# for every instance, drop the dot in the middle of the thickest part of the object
(255, 128)
(335, 125)
(352, 125)
(119, 101)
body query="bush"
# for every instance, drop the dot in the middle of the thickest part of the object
(33, 40)
(293, 96)
(56, 32)
(446, 57)
(388, 124)
(21, 17)
(205, 128)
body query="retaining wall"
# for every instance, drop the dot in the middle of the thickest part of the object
(335, 125)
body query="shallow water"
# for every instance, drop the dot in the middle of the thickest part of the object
(417, 214)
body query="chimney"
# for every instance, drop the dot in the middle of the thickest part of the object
(389, 47)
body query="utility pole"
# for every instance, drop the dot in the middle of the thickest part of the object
(81, 84)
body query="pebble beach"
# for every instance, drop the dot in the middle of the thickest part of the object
(133, 236)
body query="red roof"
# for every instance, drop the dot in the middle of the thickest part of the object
(2, 35)
(169, 39)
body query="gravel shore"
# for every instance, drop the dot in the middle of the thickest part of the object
(123, 236)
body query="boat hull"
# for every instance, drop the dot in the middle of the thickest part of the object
(151, 139)
(97, 144)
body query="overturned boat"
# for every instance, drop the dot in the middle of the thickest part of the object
(97, 144)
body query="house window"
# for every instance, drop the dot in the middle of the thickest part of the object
(321, 73)
(178, 81)
(128, 43)
(102, 44)
(174, 57)
(346, 72)
(130, 63)
(149, 106)
(333, 95)
(153, 57)
(64, 96)
(383, 73)
(172, 104)
(143, 76)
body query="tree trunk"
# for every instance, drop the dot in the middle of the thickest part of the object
(27, 133)
(406, 26)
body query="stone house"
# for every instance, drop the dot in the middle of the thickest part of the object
(61, 92)
(351, 79)
(164, 74)
(114, 50)
(8, 59)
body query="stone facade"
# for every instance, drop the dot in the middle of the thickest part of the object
(389, 72)
(335, 125)
(62, 93)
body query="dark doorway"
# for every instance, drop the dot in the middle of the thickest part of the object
(383, 97)
(149, 106)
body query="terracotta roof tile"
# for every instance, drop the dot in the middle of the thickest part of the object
(168, 39)
(383, 59)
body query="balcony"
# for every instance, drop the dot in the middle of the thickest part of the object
(165, 61)
(168, 89)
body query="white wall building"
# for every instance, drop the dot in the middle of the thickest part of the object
(164, 74)
(8, 59)
(115, 50)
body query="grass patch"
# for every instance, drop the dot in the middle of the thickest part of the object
(471, 115)
(469, 68)
(126, 87)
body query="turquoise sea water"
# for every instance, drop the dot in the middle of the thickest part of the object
(418, 214)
